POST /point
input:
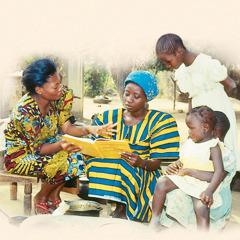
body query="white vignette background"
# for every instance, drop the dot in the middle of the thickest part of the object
(113, 30)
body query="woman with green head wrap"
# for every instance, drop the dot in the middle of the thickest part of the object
(152, 136)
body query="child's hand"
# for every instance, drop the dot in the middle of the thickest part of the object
(69, 147)
(207, 198)
(182, 172)
(173, 168)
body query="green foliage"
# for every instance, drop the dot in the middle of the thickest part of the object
(153, 65)
(95, 77)
(25, 61)
(158, 69)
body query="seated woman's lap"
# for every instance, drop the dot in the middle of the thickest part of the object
(56, 168)
(115, 179)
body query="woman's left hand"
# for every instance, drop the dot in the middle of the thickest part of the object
(132, 158)
(69, 147)
(106, 129)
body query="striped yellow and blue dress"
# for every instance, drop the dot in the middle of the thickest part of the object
(155, 137)
(28, 130)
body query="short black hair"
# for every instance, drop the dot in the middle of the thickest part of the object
(37, 73)
(169, 44)
(222, 122)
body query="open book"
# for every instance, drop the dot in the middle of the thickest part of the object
(100, 148)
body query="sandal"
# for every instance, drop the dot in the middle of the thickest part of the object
(53, 205)
(43, 206)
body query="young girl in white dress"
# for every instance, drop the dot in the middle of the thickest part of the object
(204, 79)
(178, 206)
(200, 152)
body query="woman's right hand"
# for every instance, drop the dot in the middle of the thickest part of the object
(107, 129)
(69, 147)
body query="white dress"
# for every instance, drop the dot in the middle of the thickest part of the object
(196, 156)
(179, 205)
(202, 81)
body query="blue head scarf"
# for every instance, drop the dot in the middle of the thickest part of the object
(146, 81)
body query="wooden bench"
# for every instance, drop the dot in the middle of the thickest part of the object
(14, 179)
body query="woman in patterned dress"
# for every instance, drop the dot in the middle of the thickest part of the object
(33, 146)
(152, 136)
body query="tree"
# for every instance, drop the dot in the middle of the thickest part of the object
(95, 76)
(121, 71)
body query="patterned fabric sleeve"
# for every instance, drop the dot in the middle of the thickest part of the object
(21, 134)
(64, 106)
(165, 139)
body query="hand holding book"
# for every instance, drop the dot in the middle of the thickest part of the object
(69, 147)
(100, 148)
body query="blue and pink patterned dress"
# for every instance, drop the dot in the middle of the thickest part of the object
(28, 130)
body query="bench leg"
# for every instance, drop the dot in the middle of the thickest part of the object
(27, 198)
(13, 190)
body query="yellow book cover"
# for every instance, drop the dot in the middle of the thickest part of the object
(101, 147)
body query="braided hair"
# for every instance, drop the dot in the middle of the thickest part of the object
(205, 114)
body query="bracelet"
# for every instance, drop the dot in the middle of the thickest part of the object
(146, 165)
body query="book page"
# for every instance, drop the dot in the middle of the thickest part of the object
(100, 148)
(87, 144)
(66, 136)
(112, 148)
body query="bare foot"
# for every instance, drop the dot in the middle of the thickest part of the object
(156, 226)
(159, 228)
(119, 212)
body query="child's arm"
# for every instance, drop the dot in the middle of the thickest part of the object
(207, 195)
(201, 175)
(229, 85)
(173, 168)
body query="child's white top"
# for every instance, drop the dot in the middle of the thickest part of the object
(196, 156)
